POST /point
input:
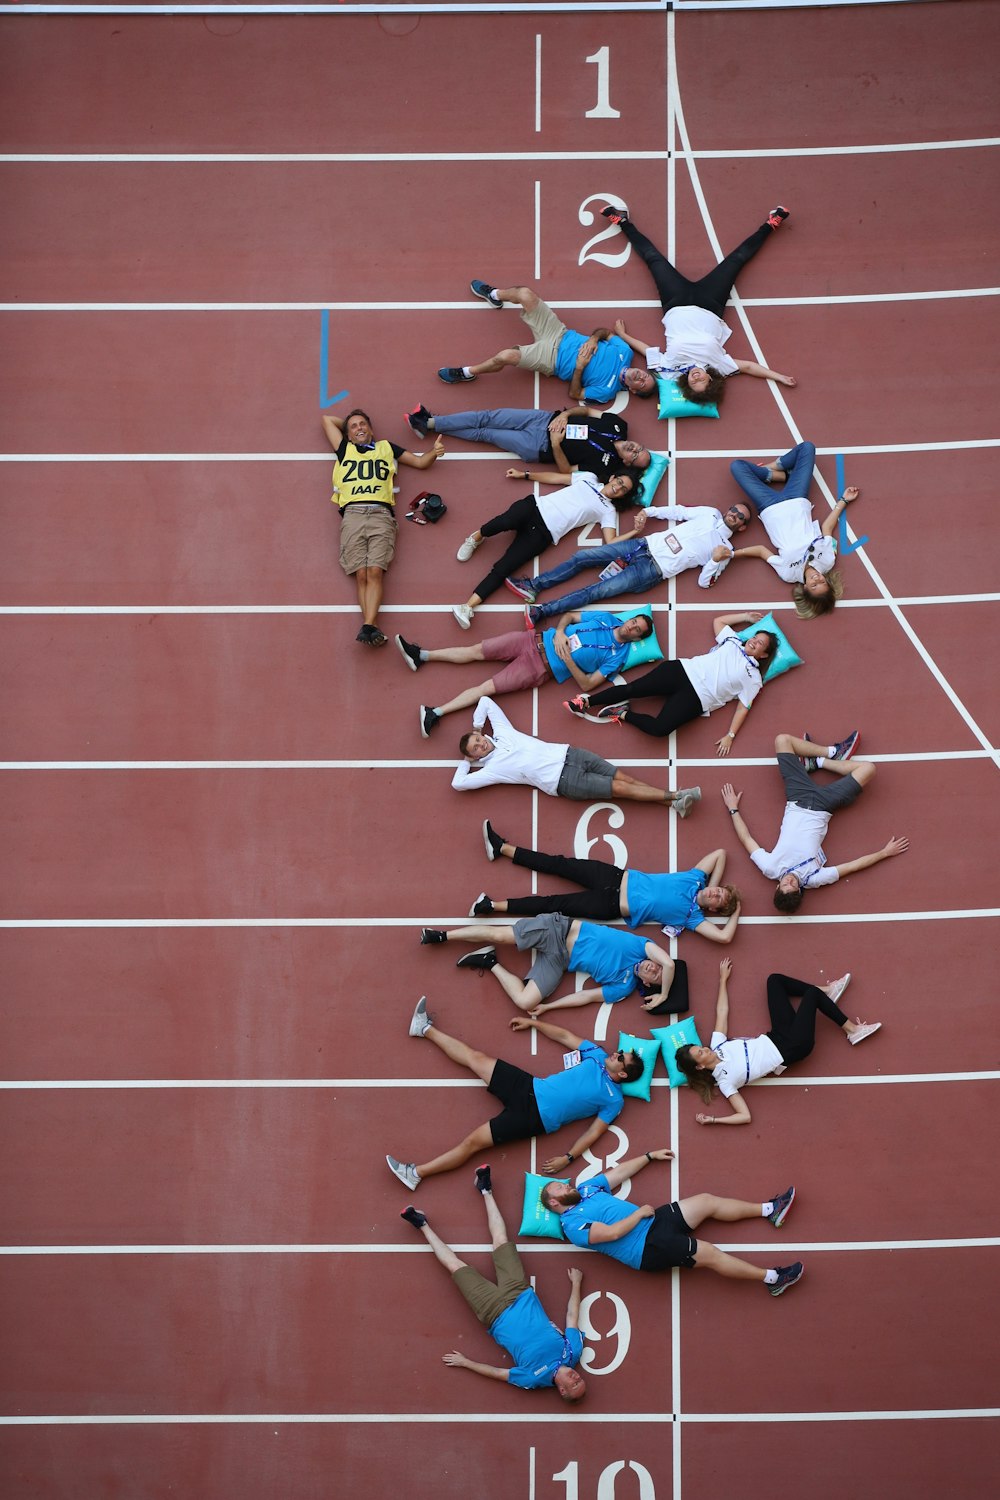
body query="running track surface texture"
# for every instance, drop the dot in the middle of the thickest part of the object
(223, 831)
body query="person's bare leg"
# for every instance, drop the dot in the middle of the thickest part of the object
(480, 932)
(442, 1252)
(480, 1139)
(496, 363)
(522, 297)
(494, 1218)
(709, 1258)
(524, 993)
(459, 1052)
(707, 1206)
(469, 698)
(458, 656)
(627, 789)
(370, 593)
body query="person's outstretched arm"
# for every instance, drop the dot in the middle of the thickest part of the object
(893, 847)
(554, 1033)
(636, 345)
(751, 367)
(829, 525)
(460, 1362)
(731, 800)
(722, 1003)
(626, 1169)
(740, 1114)
(583, 1143)
(724, 934)
(423, 460)
(575, 1297)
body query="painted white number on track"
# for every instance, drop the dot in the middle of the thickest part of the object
(602, 109)
(609, 1158)
(607, 1481)
(621, 1330)
(583, 843)
(587, 217)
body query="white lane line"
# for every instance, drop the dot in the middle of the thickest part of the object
(563, 305)
(674, 763)
(812, 919)
(538, 84)
(489, 1418)
(472, 1248)
(943, 682)
(69, 1085)
(949, 446)
(445, 609)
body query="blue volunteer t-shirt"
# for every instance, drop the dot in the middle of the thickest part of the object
(597, 651)
(578, 1092)
(609, 956)
(667, 899)
(534, 1343)
(600, 1206)
(602, 376)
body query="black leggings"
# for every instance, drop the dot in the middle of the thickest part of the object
(793, 1031)
(667, 678)
(600, 898)
(531, 538)
(712, 291)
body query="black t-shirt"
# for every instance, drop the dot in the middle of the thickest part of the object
(366, 448)
(594, 454)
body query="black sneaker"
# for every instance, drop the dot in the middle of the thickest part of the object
(486, 292)
(480, 959)
(428, 718)
(370, 635)
(787, 1276)
(492, 840)
(482, 906)
(777, 217)
(410, 653)
(433, 935)
(780, 1206)
(483, 1180)
(414, 1216)
(453, 375)
(615, 214)
(417, 420)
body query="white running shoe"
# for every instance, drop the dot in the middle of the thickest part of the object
(467, 548)
(464, 614)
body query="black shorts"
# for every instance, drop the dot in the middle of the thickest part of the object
(669, 1242)
(519, 1119)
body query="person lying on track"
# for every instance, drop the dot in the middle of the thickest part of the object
(729, 1065)
(797, 861)
(586, 648)
(580, 438)
(540, 523)
(641, 560)
(693, 352)
(681, 901)
(543, 1354)
(588, 1084)
(802, 552)
(505, 756)
(617, 961)
(362, 489)
(732, 672)
(594, 364)
(657, 1239)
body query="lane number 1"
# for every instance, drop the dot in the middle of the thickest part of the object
(602, 109)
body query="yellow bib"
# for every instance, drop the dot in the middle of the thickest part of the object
(364, 476)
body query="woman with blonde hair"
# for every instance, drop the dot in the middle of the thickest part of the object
(802, 552)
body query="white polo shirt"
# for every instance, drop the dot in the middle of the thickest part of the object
(724, 673)
(516, 759)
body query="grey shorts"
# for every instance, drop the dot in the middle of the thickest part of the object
(547, 934)
(585, 776)
(801, 789)
(486, 1298)
(548, 330)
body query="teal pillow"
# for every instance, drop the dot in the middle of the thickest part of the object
(659, 463)
(536, 1219)
(784, 659)
(669, 1038)
(649, 1051)
(673, 404)
(641, 653)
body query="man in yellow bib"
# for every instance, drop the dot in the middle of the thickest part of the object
(362, 489)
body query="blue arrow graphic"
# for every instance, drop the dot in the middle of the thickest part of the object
(324, 361)
(846, 547)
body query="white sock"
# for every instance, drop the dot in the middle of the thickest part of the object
(466, 370)
(770, 1277)
(766, 1210)
(820, 759)
(424, 655)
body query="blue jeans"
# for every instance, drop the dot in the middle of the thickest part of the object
(639, 574)
(525, 433)
(798, 464)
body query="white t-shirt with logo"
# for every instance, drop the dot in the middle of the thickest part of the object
(724, 673)
(757, 1052)
(693, 336)
(579, 504)
(799, 850)
(796, 536)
